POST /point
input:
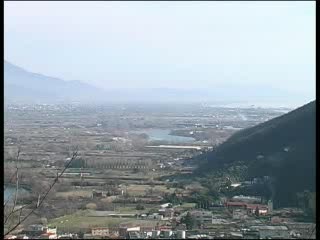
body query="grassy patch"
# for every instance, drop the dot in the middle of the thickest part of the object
(140, 190)
(75, 193)
(80, 219)
(188, 205)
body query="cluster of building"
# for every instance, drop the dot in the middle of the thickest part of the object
(249, 208)
(229, 222)
(240, 217)
(38, 231)
(136, 232)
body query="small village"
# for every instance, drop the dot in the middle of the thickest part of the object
(131, 180)
(240, 217)
(159, 120)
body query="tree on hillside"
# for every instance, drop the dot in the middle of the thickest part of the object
(189, 220)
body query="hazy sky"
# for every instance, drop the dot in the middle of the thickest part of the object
(165, 44)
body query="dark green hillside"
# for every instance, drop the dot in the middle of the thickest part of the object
(283, 147)
(294, 128)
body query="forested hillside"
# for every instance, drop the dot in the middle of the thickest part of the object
(283, 148)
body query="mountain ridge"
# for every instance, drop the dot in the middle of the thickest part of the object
(22, 85)
(25, 86)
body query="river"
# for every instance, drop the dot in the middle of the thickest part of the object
(156, 134)
(9, 192)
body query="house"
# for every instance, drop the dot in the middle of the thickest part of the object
(163, 228)
(36, 227)
(166, 212)
(133, 235)
(155, 216)
(96, 194)
(165, 233)
(102, 231)
(165, 205)
(38, 230)
(123, 230)
(235, 205)
(143, 216)
(68, 236)
(51, 231)
(251, 208)
(262, 209)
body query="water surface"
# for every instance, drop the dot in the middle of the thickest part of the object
(10, 191)
(164, 135)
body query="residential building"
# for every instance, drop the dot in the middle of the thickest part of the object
(251, 208)
(262, 209)
(102, 231)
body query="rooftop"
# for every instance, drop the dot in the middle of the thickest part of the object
(269, 228)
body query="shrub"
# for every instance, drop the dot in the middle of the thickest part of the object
(140, 207)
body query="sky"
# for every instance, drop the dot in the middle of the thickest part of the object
(166, 44)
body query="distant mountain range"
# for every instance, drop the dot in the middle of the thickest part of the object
(283, 147)
(24, 86)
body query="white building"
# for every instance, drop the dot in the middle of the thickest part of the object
(165, 205)
(102, 231)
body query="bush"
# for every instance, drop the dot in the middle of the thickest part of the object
(91, 206)
(140, 207)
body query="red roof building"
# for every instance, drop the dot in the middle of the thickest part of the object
(263, 209)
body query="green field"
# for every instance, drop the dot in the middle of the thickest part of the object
(140, 190)
(81, 219)
(188, 205)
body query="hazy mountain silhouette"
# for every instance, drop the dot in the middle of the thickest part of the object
(24, 86)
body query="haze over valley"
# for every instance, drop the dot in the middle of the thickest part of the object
(22, 86)
(159, 120)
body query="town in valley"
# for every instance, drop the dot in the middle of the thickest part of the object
(132, 177)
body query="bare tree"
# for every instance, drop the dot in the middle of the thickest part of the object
(14, 215)
(9, 213)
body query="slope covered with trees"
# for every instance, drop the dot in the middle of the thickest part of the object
(283, 148)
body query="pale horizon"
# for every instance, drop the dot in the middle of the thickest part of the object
(166, 45)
